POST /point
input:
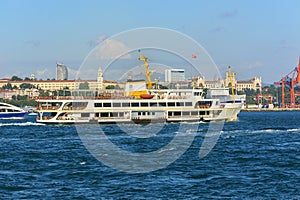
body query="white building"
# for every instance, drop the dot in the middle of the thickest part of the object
(174, 75)
(254, 84)
(61, 72)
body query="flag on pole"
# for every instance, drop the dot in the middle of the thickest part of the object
(194, 56)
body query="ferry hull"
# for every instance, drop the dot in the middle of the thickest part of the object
(19, 115)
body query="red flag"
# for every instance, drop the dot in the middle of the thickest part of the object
(194, 56)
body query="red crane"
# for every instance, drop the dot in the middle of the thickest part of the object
(267, 97)
(289, 81)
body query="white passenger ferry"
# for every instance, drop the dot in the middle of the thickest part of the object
(140, 105)
(160, 106)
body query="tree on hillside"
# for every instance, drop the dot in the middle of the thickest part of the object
(84, 86)
(16, 78)
(110, 87)
(26, 86)
(7, 86)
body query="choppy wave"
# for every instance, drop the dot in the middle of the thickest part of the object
(22, 124)
(266, 130)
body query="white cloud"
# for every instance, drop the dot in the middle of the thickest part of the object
(41, 73)
(44, 73)
(111, 49)
(73, 73)
(101, 38)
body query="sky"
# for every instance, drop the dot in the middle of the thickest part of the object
(256, 38)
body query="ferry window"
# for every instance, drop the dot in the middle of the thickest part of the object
(106, 104)
(121, 114)
(171, 103)
(85, 114)
(144, 104)
(177, 113)
(125, 104)
(105, 114)
(134, 104)
(188, 104)
(97, 114)
(114, 114)
(196, 93)
(206, 103)
(139, 113)
(98, 104)
(144, 113)
(162, 104)
(193, 113)
(202, 112)
(152, 113)
(116, 104)
(153, 104)
(185, 113)
(179, 104)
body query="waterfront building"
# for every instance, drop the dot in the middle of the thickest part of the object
(174, 75)
(61, 72)
(7, 94)
(55, 85)
(254, 83)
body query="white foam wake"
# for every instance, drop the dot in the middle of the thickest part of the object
(22, 124)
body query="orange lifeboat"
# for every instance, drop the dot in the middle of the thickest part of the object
(146, 96)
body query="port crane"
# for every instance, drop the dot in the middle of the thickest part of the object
(267, 97)
(146, 66)
(289, 81)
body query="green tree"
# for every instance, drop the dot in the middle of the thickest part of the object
(22, 98)
(26, 86)
(7, 86)
(44, 93)
(15, 78)
(84, 86)
(110, 87)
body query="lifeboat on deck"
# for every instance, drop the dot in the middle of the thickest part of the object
(146, 96)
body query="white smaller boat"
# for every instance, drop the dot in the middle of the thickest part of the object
(32, 114)
(8, 111)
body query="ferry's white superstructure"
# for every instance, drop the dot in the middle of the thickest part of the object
(8, 111)
(162, 106)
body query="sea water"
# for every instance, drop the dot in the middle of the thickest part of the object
(255, 157)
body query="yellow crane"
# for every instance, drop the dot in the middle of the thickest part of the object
(144, 93)
(146, 66)
(231, 75)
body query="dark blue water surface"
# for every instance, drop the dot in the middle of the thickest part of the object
(256, 157)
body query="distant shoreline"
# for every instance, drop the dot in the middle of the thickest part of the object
(269, 109)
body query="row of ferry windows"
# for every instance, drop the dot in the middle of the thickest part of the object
(171, 113)
(143, 104)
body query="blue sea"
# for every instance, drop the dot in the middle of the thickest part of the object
(255, 157)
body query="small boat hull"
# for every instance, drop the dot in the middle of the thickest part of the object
(13, 115)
